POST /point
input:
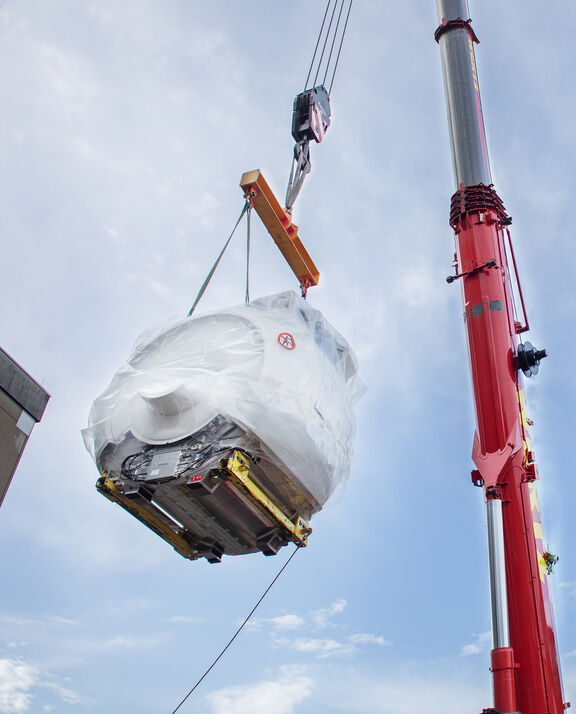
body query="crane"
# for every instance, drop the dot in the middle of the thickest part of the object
(524, 660)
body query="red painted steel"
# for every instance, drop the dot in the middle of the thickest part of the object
(526, 676)
(503, 673)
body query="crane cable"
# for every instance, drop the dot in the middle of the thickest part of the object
(309, 119)
(235, 635)
(248, 214)
(339, 48)
(330, 37)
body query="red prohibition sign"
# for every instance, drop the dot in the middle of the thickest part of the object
(286, 340)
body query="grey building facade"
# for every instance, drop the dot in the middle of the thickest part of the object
(22, 404)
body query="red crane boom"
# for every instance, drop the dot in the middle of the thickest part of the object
(524, 659)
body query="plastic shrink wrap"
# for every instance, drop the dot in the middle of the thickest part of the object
(272, 379)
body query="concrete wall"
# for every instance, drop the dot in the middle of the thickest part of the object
(22, 404)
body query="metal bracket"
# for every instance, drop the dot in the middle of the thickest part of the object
(477, 479)
(301, 167)
(454, 24)
(489, 264)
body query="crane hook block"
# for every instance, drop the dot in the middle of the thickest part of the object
(311, 114)
(279, 224)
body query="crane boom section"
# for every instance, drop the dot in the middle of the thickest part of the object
(525, 662)
(505, 464)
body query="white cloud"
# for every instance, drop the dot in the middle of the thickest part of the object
(42, 621)
(280, 696)
(123, 642)
(366, 639)
(321, 618)
(323, 648)
(287, 622)
(66, 694)
(293, 621)
(130, 605)
(440, 690)
(156, 286)
(67, 79)
(185, 619)
(481, 643)
(569, 588)
(418, 285)
(16, 680)
(57, 620)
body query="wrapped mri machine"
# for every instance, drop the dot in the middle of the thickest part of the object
(225, 432)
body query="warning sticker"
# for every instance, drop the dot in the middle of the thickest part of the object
(286, 340)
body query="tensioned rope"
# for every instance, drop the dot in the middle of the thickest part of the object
(316, 48)
(212, 271)
(325, 42)
(252, 611)
(340, 47)
(330, 37)
(333, 41)
(248, 214)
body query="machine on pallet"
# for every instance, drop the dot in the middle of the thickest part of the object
(225, 432)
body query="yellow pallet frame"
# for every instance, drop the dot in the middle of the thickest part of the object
(237, 469)
(147, 516)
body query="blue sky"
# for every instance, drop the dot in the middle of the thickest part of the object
(125, 130)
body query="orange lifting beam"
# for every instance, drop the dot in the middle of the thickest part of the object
(279, 224)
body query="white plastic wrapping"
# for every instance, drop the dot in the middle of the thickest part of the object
(275, 367)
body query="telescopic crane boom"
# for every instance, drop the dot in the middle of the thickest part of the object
(524, 659)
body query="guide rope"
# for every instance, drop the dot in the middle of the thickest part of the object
(252, 611)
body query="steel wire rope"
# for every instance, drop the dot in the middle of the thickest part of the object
(248, 214)
(340, 47)
(235, 635)
(333, 41)
(332, 45)
(317, 43)
(325, 42)
(211, 273)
